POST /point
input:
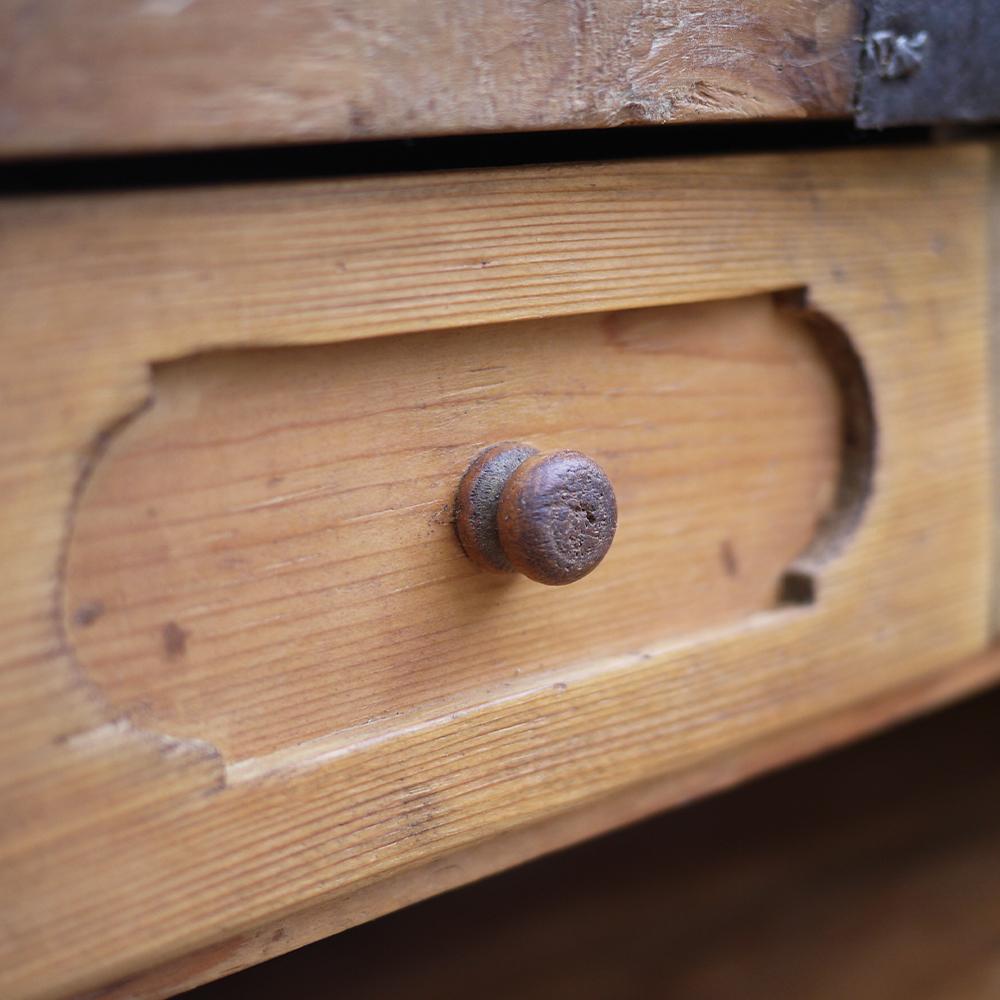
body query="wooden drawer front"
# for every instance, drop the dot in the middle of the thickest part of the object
(250, 670)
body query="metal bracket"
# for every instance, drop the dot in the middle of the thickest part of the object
(929, 61)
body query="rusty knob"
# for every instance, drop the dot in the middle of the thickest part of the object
(550, 517)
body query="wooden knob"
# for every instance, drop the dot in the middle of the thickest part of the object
(550, 517)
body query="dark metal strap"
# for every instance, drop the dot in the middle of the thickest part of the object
(928, 61)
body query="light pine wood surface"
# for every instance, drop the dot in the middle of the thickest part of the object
(126, 847)
(617, 810)
(873, 873)
(173, 74)
(266, 554)
(993, 278)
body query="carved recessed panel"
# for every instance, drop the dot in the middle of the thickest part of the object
(265, 554)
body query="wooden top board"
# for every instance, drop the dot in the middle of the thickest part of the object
(120, 75)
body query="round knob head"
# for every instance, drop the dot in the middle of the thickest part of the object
(557, 517)
(550, 517)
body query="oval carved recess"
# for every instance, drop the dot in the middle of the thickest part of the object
(265, 554)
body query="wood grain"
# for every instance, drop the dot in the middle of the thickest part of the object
(638, 802)
(124, 848)
(115, 75)
(266, 554)
(872, 874)
(994, 286)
